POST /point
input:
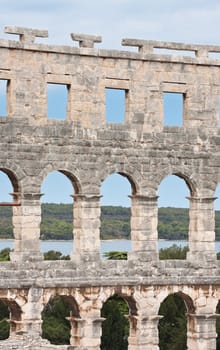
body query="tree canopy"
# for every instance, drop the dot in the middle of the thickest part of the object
(57, 222)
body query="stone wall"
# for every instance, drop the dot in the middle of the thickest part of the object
(86, 148)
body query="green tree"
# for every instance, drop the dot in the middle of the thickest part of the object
(55, 327)
(115, 329)
(172, 327)
(218, 327)
(173, 252)
(4, 325)
(115, 255)
(5, 254)
(55, 255)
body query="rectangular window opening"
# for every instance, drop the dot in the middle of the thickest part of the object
(57, 101)
(219, 112)
(173, 108)
(115, 100)
(3, 97)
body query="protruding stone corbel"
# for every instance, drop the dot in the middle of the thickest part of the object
(202, 52)
(144, 46)
(26, 35)
(86, 40)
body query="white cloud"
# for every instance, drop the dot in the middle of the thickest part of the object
(170, 20)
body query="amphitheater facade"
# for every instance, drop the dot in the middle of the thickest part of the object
(86, 148)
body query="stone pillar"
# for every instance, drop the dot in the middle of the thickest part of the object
(144, 235)
(201, 333)
(86, 227)
(26, 228)
(201, 229)
(77, 327)
(30, 323)
(91, 333)
(143, 332)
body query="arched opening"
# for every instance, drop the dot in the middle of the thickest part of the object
(10, 315)
(58, 316)
(173, 325)
(173, 217)
(8, 199)
(218, 327)
(115, 216)
(217, 220)
(57, 215)
(4, 324)
(115, 328)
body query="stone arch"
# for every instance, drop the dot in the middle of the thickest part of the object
(115, 328)
(13, 202)
(15, 314)
(218, 325)
(216, 198)
(187, 300)
(185, 232)
(63, 309)
(14, 182)
(130, 173)
(14, 172)
(74, 178)
(186, 297)
(73, 192)
(186, 176)
(174, 324)
(116, 192)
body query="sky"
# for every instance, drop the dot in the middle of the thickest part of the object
(192, 21)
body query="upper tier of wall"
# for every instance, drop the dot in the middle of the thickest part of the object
(87, 71)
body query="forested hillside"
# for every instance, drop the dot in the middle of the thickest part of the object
(115, 222)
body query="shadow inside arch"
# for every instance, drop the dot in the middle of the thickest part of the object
(10, 315)
(173, 324)
(56, 319)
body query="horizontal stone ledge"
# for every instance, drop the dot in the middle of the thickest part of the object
(26, 34)
(29, 44)
(147, 46)
(86, 40)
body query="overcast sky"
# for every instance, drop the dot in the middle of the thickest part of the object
(195, 21)
(191, 21)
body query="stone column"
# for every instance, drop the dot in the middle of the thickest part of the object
(201, 229)
(144, 235)
(86, 227)
(30, 323)
(77, 326)
(91, 333)
(201, 333)
(143, 332)
(26, 228)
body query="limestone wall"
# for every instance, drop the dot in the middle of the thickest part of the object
(86, 148)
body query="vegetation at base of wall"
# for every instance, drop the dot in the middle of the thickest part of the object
(173, 252)
(5, 254)
(49, 255)
(115, 328)
(57, 222)
(4, 325)
(218, 327)
(115, 255)
(172, 327)
(55, 326)
(55, 255)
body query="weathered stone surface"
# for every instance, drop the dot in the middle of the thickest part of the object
(87, 149)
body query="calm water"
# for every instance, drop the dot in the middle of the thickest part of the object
(66, 247)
